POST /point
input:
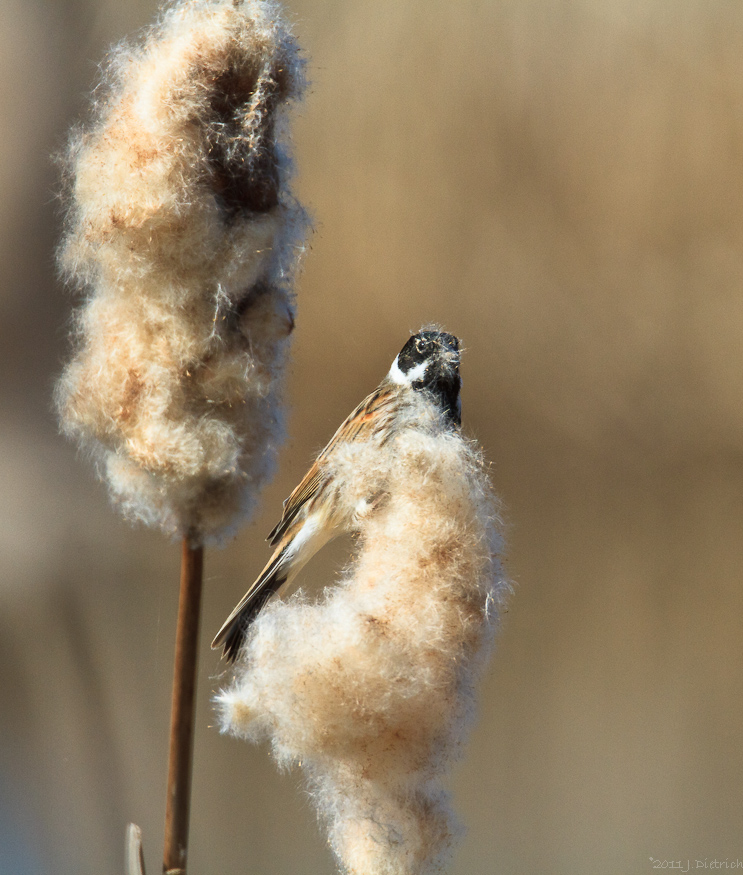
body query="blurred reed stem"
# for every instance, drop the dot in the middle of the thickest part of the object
(178, 801)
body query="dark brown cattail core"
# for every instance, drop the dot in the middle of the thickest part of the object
(242, 147)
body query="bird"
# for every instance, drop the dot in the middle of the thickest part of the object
(315, 512)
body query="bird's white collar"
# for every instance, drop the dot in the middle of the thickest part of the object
(416, 373)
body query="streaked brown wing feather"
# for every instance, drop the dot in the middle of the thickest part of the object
(306, 490)
(370, 417)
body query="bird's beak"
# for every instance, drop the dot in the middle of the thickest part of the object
(450, 357)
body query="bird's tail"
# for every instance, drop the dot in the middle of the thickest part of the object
(235, 628)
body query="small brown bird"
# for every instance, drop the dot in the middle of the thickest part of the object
(315, 512)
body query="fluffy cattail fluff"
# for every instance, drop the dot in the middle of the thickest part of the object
(371, 689)
(182, 230)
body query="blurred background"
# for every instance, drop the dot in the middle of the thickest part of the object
(560, 182)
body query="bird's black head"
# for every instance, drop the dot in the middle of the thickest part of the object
(430, 361)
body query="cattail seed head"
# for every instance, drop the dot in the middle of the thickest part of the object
(372, 688)
(183, 232)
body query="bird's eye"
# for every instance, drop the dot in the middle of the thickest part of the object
(420, 345)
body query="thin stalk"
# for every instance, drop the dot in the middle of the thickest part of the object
(134, 856)
(182, 715)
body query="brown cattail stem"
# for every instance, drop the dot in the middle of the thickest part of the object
(182, 716)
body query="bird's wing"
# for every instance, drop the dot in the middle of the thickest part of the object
(232, 633)
(306, 490)
(304, 537)
(375, 409)
(302, 530)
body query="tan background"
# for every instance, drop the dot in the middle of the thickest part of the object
(561, 183)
